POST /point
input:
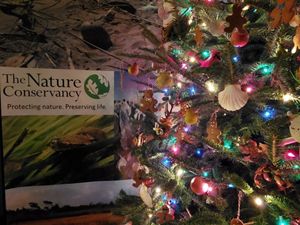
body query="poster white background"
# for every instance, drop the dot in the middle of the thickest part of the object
(33, 91)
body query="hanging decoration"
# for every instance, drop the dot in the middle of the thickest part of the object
(134, 69)
(236, 20)
(215, 27)
(198, 37)
(165, 214)
(164, 80)
(145, 196)
(239, 39)
(232, 98)
(282, 13)
(158, 130)
(214, 56)
(268, 175)
(296, 40)
(253, 151)
(148, 102)
(190, 117)
(237, 220)
(213, 132)
(295, 126)
(201, 186)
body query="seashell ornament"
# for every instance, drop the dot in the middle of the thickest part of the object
(232, 98)
(295, 126)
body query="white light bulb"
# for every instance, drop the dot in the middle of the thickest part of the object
(287, 97)
(179, 172)
(211, 86)
(192, 59)
(258, 201)
(158, 190)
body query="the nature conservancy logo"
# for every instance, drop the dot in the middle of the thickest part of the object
(96, 86)
(29, 91)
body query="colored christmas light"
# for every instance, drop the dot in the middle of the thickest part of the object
(265, 69)
(228, 144)
(186, 11)
(184, 66)
(192, 90)
(198, 153)
(291, 154)
(268, 113)
(230, 186)
(296, 167)
(282, 221)
(166, 161)
(205, 173)
(205, 54)
(235, 58)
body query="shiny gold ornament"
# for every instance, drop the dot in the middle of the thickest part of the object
(164, 80)
(190, 117)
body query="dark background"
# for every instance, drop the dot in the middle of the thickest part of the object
(2, 193)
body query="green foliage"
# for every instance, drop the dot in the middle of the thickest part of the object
(240, 183)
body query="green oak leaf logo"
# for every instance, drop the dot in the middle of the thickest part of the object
(96, 86)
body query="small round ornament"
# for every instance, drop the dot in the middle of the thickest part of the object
(196, 185)
(164, 80)
(295, 126)
(134, 69)
(239, 39)
(190, 117)
(232, 98)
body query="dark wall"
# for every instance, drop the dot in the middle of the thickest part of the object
(2, 193)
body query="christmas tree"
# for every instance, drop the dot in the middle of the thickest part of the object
(221, 144)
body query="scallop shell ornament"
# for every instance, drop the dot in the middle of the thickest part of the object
(232, 98)
(295, 126)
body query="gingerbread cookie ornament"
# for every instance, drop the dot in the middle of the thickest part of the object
(282, 13)
(236, 20)
(148, 102)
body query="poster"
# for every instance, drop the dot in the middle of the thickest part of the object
(61, 142)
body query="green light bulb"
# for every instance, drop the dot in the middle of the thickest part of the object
(265, 69)
(282, 221)
(228, 144)
(205, 54)
(186, 11)
(205, 174)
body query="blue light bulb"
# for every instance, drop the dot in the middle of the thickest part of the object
(231, 186)
(268, 113)
(166, 161)
(235, 58)
(198, 152)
